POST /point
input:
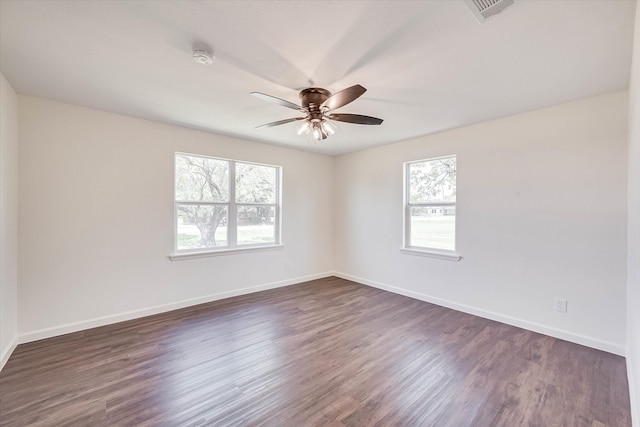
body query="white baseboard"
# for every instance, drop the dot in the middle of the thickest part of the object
(634, 395)
(6, 353)
(607, 346)
(135, 314)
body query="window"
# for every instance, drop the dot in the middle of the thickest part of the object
(430, 204)
(225, 204)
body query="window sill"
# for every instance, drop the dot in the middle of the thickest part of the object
(433, 253)
(179, 256)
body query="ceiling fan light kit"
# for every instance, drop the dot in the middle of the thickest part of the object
(329, 127)
(317, 103)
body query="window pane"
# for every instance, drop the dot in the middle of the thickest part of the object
(202, 226)
(256, 224)
(433, 227)
(433, 181)
(201, 179)
(255, 183)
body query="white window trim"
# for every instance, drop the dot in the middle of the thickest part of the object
(437, 253)
(220, 252)
(232, 247)
(432, 253)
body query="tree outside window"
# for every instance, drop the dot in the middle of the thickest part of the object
(225, 203)
(430, 207)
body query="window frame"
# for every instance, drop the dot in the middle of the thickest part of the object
(407, 246)
(232, 212)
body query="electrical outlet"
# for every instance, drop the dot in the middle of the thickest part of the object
(287, 266)
(561, 305)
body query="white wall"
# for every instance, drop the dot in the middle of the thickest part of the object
(633, 232)
(96, 219)
(541, 214)
(8, 219)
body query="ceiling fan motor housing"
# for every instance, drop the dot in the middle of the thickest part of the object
(312, 98)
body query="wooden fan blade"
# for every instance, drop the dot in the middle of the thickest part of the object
(279, 122)
(278, 101)
(355, 118)
(343, 97)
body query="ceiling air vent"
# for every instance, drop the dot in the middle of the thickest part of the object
(482, 9)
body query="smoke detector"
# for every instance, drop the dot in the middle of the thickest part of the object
(202, 56)
(483, 9)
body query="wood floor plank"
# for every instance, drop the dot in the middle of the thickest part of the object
(324, 353)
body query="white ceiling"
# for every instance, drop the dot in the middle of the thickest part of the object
(428, 65)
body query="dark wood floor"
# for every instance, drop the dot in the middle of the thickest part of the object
(325, 353)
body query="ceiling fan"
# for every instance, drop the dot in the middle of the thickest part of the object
(317, 105)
